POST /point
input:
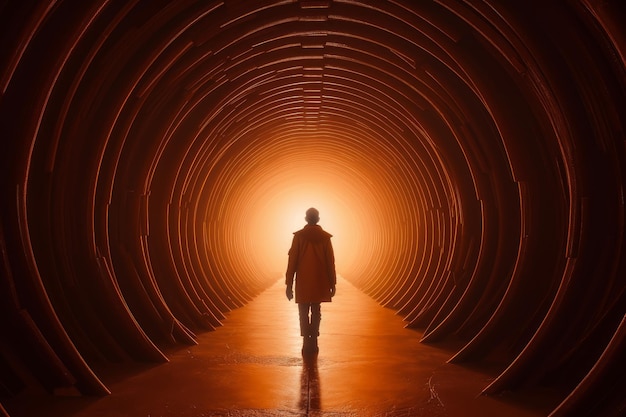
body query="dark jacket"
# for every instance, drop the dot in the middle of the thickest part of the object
(312, 261)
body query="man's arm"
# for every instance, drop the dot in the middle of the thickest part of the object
(292, 266)
(332, 275)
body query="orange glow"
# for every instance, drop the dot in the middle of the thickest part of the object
(156, 161)
(281, 212)
(353, 182)
(266, 208)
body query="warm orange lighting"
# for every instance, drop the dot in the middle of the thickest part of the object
(279, 211)
(156, 161)
(262, 203)
(288, 217)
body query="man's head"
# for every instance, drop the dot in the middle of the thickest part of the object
(312, 216)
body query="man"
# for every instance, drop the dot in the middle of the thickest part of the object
(312, 261)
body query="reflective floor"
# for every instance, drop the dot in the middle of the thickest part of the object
(368, 365)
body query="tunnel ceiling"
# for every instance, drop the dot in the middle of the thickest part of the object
(468, 157)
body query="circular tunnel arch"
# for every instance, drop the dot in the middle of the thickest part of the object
(468, 157)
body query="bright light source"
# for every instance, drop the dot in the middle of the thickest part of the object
(257, 207)
(281, 214)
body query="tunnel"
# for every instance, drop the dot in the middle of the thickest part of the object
(468, 157)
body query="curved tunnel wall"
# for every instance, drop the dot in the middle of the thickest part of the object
(467, 156)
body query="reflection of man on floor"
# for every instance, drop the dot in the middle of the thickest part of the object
(312, 261)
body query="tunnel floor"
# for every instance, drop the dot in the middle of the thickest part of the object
(368, 365)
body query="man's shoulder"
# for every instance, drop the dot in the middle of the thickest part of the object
(313, 233)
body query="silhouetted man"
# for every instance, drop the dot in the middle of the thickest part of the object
(312, 261)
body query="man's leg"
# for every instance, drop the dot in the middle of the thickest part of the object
(303, 311)
(316, 318)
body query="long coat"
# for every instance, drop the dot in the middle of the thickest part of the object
(312, 261)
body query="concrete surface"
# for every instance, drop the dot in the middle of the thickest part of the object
(368, 365)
